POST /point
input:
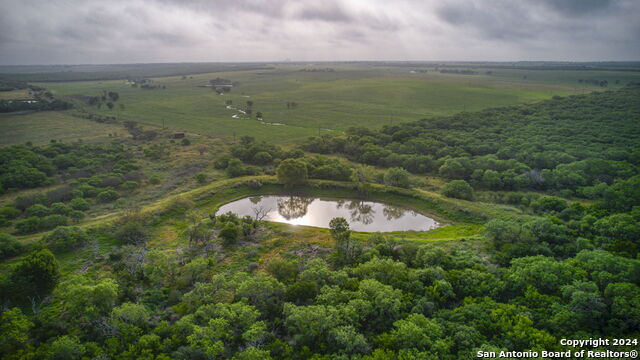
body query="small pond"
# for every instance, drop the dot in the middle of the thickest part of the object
(365, 216)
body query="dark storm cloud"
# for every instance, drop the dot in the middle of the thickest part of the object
(505, 20)
(552, 21)
(81, 31)
(580, 7)
(270, 8)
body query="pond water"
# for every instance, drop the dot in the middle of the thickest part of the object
(365, 216)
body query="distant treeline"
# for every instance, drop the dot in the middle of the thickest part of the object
(524, 65)
(318, 70)
(7, 106)
(458, 71)
(9, 85)
(116, 72)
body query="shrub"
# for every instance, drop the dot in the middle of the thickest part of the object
(51, 221)
(36, 274)
(284, 271)
(132, 232)
(262, 158)
(65, 238)
(110, 181)
(23, 202)
(155, 180)
(549, 203)
(254, 184)
(61, 194)
(60, 208)
(79, 204)
(397, 177)
(230, 233)
(222, 162)
(38, 210)
(235, 168)
(129, 185)
(301, 292)
(107, 196)
(28, 225)
(88, 191)
(185, 142)
(201, 178)
(292, 172)
(458, 189)
(76, 215)
(9, 246)
(9, 212)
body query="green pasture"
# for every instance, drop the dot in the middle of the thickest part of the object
(42, 127)
(327, 101)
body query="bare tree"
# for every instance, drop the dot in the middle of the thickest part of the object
(260, 212)
(134, 259)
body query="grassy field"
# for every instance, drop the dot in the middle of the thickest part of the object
(42, 127)
(329, 101)
(22, 94)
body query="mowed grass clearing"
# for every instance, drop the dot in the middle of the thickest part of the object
(327, 101)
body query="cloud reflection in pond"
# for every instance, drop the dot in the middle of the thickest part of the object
(362, 215)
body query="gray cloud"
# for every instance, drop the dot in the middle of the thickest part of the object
(580, 7)
(330, 12)
(94, 31)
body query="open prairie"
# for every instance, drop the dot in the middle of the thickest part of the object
(327, 101)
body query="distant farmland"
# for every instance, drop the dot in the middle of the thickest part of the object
(327, 101)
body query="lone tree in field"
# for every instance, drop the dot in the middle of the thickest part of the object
(292, 172)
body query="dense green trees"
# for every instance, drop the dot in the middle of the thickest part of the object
(430, 302)
(555, 145)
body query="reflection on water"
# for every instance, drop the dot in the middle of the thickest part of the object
(293, 207)
(361, 212)
(361, 215)
(393, 212)
(255, 199)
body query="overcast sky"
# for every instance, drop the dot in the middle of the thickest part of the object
(125, 31)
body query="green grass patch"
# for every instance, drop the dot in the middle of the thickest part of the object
(42, 127)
